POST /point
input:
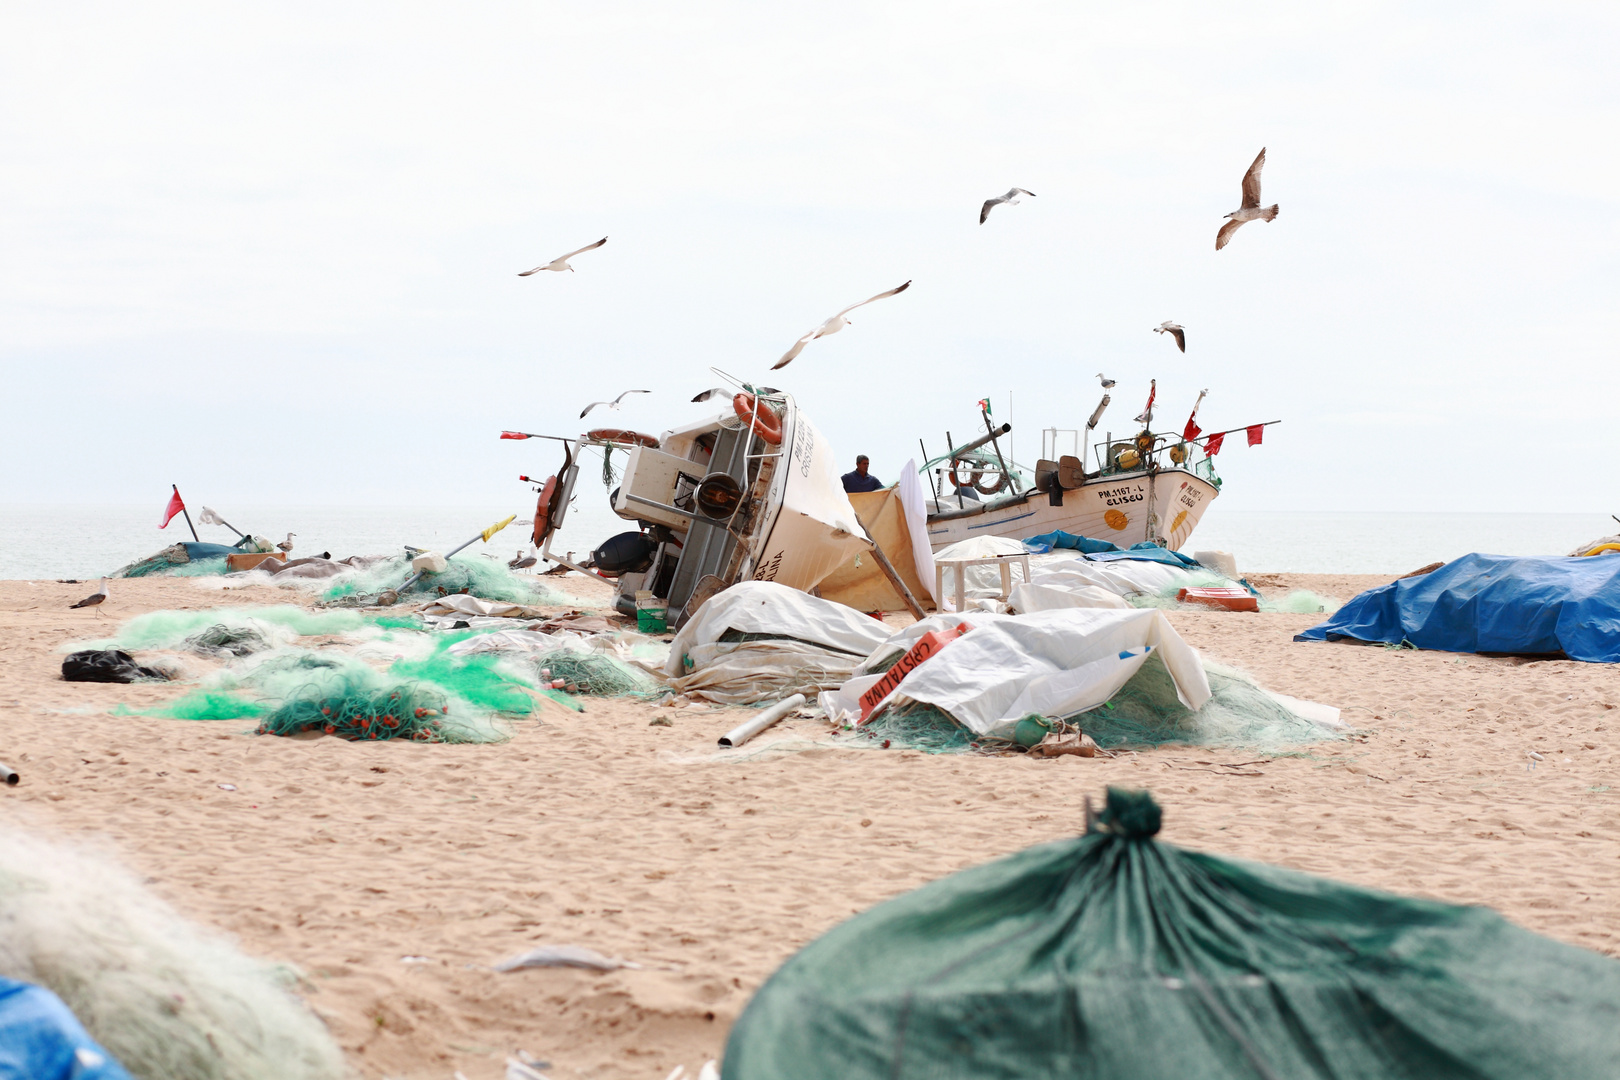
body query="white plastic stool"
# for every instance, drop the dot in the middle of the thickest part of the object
(1004, 562)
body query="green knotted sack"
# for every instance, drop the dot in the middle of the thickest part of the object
(1115, 957)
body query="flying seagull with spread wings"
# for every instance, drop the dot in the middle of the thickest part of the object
(1175, 330)
(1250, 210)
(831, 326)
(614, 404)
(1011, 199)
(560, 263)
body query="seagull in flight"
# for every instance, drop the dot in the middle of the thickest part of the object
(831, 326)
(1011, 199)
(560, 263)
(614, 404)
(96, 598)
(1108, 384)
(1251, 204)
(1174, 330)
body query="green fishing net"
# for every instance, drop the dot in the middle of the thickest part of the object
(398, 711)
(917, 725)
(595, 673)
(279, 624)
(223, 640)
(1295, 602)
(1147, 712)
(200, 705)
(487, 579)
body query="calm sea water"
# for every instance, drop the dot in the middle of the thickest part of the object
(86, 541)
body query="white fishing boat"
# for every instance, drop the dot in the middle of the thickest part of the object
(1153, 486)
(751, 493)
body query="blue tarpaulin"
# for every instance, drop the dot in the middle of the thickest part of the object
(1493, 604)
(199, 552)
(41, 1039)
(1106, 551)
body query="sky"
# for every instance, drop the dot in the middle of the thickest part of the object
(270, 252)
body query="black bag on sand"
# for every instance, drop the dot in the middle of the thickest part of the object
(107, 665)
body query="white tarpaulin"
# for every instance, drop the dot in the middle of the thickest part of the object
(463, 604)
(1053, 663)
(815, 644)
(914, 503)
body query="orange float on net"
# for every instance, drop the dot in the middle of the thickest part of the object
(762, 418)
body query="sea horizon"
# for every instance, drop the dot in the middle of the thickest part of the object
(50, 541)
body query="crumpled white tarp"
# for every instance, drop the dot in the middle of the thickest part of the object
(467, 605)
(648, 653)
(764, 607)
(1054, 663)
(830, 641)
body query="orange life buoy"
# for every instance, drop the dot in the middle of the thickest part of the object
(543, 511)
(626, 438)
(766, 424)
(973, 477)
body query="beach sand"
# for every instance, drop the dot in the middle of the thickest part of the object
(599, 829)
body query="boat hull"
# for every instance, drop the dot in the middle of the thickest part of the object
(1126, 508)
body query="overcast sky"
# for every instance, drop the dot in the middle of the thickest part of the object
(269, 252)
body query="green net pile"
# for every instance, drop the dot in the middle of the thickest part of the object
(484, 578)
(182, 630)
(1146, 712)
(916, 725)
(595, 673)
(223, 640)
(399, 711)
(1296, 602)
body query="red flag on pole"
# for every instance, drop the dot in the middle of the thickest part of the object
(1255, 431)
(175, 507)
(1213, 446)
(515, 435)
(1192, 431)
(1147, 413)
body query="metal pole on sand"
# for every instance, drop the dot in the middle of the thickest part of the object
(186, 512)
(390, 597)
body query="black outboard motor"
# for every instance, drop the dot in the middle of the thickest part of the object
(627, 552)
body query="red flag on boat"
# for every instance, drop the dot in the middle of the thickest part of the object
(1147, 414)
(1192, 429)
(175, 507)
(515, 435)
(1213, 446)
(984, 405)
(1255, 431)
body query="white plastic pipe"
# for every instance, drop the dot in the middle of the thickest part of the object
(743, 732)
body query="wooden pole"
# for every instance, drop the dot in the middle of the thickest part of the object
(894, 579)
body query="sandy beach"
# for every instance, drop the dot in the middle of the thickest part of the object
(641, 841)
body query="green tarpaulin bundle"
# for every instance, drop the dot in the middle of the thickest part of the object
(1115, 957)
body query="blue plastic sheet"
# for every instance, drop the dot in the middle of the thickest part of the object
(1493, 604)
(41, 1039)
(1106, 551)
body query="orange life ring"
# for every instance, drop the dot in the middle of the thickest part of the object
(973, 477)
(625, 438)
(543, 511)
(766, 424)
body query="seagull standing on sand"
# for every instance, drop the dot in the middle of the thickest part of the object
(832, 326)
(287, 544)
(614, 404)
(1174, 330)
(1251, 204)
(521, 563)
(1011, 199)
(560, 263)
(1108, 384)
(95, 599)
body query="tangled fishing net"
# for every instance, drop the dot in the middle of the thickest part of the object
(594, 673)
(484, 578)
(1145, 712)
(1295, 602)
(168, 999)
(355, 712)
(204, 630)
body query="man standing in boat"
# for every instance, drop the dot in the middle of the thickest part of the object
(860, 479)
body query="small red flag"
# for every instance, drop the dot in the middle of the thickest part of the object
(1213, 446)
(175, 507)
(1255, 431)
(1193, 430)
(515, 435)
